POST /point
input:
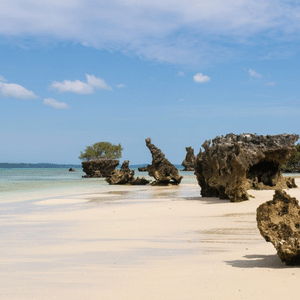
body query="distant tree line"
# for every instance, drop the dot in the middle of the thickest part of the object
(34, 166)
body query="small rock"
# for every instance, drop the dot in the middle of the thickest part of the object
(189, 161)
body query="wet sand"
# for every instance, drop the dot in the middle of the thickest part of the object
(139, 243)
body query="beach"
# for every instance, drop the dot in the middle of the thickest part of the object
(137, 242)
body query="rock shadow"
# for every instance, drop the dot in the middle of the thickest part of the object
(259, 261)
(207, 200)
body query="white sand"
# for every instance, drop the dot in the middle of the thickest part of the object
(157, 243)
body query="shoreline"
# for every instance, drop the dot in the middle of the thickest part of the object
(139, 243)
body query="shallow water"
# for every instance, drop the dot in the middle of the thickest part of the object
(36, 184)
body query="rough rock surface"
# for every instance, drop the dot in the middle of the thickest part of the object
(139, 181)
(71, 170)
(142, 169)
(189, 161)
(125, 176)
(161, 169)
(99, 167)
(235, 163)
(279, 223)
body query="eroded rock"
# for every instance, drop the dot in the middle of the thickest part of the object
(161, 169)
(99, 167)
(142, 169)
(235, 163)
(189, 161)
(278, 221)
(125, 176)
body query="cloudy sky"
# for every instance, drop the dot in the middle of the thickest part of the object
(73, 73)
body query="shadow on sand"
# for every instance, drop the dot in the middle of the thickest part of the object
(260, 261)
(207, 200)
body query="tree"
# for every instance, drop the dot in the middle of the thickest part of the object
(101, 150)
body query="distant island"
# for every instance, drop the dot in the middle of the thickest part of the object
(35, 166)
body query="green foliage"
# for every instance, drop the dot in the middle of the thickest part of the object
(294, 161)
(101, 150)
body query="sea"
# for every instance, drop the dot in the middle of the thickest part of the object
(37, 183)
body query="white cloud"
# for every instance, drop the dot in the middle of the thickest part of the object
(13, 90)
(180, 74)
(121, 85)
(76, 86)
(177, 31)
(2, 79)
(97, 83)
(200, 78)
(93, 83)
(254, 74)
(55, 104)
(181, 100)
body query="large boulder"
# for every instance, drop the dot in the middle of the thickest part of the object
(278, 221)
(161, 169)
(189, 161)
(99, 167)
(235, 163)
(125, 176)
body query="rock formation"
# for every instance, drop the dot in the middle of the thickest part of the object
(161, 169)
(142, 169)
(235, 163)
(279, 223)
(99, 167)
(189, 161)
(125, 176)
(71, 170)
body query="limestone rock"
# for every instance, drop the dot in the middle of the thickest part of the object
(189, 161)
(142, 169)
(278, 221)
(125, 176)
(139, 181)
(99, 167)
(235, 163)
(161, 169)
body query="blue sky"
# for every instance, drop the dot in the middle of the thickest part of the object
(73, 73)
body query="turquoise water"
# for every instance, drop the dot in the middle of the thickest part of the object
(18, 180)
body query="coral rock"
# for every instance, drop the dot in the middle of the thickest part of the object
(139, 181)
(99, 167)
(235, 163)
(189, 161)
(161, 169)
(142, 169)
(125, 176)
(279, 223)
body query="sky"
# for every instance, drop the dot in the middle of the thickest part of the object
(76, 72)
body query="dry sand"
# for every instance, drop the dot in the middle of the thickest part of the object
(139, 243)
